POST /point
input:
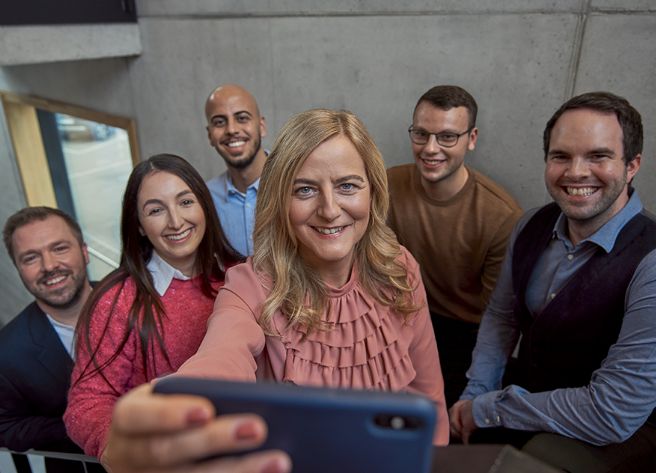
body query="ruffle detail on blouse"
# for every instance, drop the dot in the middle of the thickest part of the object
(364, 349)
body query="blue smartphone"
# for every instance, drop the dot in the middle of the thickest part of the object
(328, 430)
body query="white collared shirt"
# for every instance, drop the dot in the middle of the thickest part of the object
(163, 273)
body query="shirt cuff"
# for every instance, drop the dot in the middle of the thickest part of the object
(484, 410)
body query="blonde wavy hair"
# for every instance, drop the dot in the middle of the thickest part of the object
(296, 289)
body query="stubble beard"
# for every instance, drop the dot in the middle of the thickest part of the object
(243, 163)
(79, 281)
(583, 214)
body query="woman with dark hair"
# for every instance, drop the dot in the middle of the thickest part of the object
(148, 316)
(329, 298)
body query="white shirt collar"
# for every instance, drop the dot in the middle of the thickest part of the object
(163, 273)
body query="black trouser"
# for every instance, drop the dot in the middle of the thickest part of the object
(455, 343)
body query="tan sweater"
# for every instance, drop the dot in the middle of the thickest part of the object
(459, 243)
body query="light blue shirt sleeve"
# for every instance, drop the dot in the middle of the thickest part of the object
(499, 330)
(620, 396)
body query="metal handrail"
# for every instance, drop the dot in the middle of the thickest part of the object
(103, 258)
(83, 459)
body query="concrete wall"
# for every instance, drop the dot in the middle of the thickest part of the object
(13, 295)
(520, 59)
(48, 43)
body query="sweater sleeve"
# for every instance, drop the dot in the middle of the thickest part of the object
(496, 253)
(92, 396)
(424, 355)
(234, 339)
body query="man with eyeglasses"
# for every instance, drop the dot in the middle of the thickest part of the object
(454, 220)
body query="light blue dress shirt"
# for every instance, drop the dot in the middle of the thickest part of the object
(236, 211)
(622, 392)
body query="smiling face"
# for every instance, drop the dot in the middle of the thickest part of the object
(234, 126)
(329, 209)
(442, 169)
(171, 218)
(585, 171)
(51, 262)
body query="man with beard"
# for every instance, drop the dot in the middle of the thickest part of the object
(235, 129)
(36, 347)
(579, 285)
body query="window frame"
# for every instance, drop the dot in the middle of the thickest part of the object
(25, 134)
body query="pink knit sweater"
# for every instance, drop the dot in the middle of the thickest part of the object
(90, 402)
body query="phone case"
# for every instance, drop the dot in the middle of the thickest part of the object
(328, 430)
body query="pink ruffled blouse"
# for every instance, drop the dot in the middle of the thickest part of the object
(369, 346)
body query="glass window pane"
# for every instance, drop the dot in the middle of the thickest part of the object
(98, 163)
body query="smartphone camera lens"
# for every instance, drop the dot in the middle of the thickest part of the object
(397, 422)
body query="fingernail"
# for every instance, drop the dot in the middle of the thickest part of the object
(246, 431)
(276, 465)
(197, 416)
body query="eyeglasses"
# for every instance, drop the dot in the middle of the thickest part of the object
(446, 139)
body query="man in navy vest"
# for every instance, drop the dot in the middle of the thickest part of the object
(579, 285)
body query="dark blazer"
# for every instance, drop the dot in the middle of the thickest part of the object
(35, 372)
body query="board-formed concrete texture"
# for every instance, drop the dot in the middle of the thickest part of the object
(394, 62)
(38, 44)
(227, 8)
(415, 53)
(618, 54)
(102, 84)
(623, 5)
(12, 292)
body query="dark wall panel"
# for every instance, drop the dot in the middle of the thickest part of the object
(49, 12)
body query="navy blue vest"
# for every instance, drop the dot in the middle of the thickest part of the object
(569, 339)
